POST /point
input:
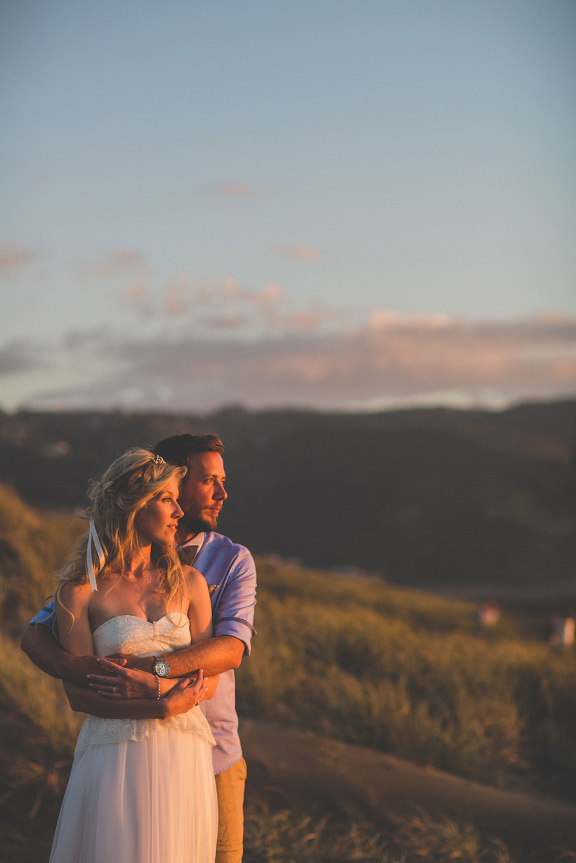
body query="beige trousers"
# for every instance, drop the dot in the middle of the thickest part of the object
(230, 789)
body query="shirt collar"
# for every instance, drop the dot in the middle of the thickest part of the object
(196, 540)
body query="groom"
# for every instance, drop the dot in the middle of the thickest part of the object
(231, 576)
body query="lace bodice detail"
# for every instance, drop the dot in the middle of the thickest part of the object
(130, 634)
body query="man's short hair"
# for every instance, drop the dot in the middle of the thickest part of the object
(179, 448)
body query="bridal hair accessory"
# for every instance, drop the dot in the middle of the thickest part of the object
(93, 538)
(158, 459)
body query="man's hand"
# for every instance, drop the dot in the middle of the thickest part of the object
(77, 669)
(185, 696)
(44, 650)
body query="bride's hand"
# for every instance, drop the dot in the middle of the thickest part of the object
(185, 695)
(121, 682)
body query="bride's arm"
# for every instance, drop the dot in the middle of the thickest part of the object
(200, 616)
(182, 698)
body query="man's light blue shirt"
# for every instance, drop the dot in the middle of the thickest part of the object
(231, 576)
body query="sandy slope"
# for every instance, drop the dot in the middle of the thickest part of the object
(296, 769)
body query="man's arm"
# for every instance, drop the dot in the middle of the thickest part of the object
(214, 656)
(233, 618)
(40, 645)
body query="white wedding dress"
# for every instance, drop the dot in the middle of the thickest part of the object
(140, 790)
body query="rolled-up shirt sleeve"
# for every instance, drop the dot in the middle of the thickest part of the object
(46, 616)
(234, 612)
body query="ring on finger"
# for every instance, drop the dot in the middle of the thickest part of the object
(114, 690)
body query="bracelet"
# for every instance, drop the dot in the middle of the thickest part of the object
(158, 685)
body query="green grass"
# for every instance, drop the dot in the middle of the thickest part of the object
(412, 675)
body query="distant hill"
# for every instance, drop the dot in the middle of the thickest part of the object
(421, 497)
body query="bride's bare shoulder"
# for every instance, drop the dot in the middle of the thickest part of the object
(195, 582)
(74, 596)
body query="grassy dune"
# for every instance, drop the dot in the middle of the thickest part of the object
(354, 659)
(412, 675)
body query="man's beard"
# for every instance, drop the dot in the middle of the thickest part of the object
(194, 522)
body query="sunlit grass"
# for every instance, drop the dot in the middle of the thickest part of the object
(32, 545)
(411, 675)
(286, 837)
(353, 659)
(39, 697)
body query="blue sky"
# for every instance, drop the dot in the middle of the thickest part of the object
(329, 204)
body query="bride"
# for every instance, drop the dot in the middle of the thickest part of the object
(142, 785)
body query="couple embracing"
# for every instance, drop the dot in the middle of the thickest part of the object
(147, 625)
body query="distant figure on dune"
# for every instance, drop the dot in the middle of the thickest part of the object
(562, 631)
(152, 625)
(488, 613)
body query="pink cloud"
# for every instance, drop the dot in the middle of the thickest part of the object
(229, 291)
(121, 260)
(136, 292)
(232, 190)
(238, 190)
(174, 301)
(298, 252)
(15, 256)
(384, 319)
(305, 320)
(226, 322)
(217, 292)
(265, 299)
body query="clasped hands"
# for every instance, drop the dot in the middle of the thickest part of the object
(118, 681)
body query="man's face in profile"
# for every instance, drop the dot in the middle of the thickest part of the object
(202, 494)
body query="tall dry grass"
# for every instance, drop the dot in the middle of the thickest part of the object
(286, 837)
(354, 659)
(412, 675)
(32, 546)
(41, 698)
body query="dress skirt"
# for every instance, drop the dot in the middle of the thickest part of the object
(140, 801)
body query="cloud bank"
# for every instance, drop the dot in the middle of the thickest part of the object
(387, 361)
(178, 343)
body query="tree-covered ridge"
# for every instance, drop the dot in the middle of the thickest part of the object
(421, 497)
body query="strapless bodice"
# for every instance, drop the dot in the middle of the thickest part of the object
(130, 634)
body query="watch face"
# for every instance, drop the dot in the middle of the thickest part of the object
(161, 668)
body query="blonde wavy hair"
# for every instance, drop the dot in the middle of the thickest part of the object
(123, 491)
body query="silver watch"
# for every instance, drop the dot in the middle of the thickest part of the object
(160, 667)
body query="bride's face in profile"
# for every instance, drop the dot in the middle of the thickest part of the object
(158, 521)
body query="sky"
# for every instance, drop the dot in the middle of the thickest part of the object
(330, 204)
